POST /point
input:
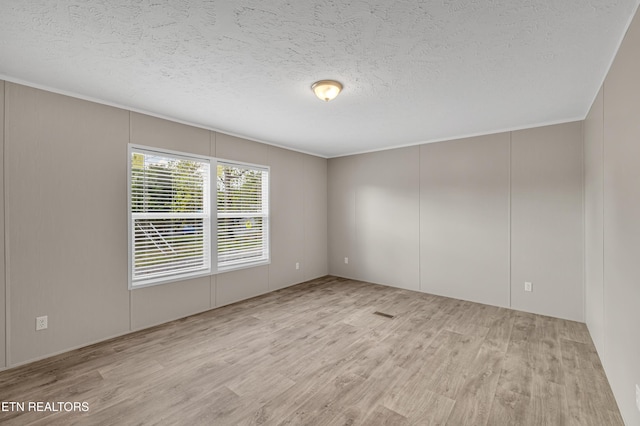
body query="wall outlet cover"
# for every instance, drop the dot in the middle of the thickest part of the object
(528, 286)
(346, 260)
(42, 323)
(638, 396)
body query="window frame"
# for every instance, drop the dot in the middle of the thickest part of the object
(214, 267)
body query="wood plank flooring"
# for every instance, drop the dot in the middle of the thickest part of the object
(315, 354)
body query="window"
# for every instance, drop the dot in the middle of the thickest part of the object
(170, 225)
(172, 233)
(243, 215)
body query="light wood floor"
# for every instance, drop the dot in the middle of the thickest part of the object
(316, 354)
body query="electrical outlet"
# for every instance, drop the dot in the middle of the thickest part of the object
(42, 323)
(297, 265)
(346, 260)
(638, 396)
(528, 286)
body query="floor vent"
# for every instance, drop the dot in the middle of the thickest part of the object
(382, 314)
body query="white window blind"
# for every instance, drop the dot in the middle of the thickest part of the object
(170, 223)
(242, 215)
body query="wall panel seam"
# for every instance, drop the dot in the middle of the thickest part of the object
(584, 225)
(127, 189)
(305, 180)
(604, 305)
(420, 217)
(4, 225)
(7, 288)
(509, 222)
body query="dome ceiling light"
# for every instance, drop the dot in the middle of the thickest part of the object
(326, 90)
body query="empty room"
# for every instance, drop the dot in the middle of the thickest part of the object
(320, 213)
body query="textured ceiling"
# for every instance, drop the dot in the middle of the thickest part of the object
(413, 71)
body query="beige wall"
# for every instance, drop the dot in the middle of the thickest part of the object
(613, 244)
(287, 228)
(374, 217)
(593, 220)
(65, 195)
(453, 218)
(315, 263)
(66, 209)
(547, 221)
(387, 220)
(341, 215)
(464, 219)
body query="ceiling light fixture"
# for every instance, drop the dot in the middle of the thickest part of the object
(326, 90)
